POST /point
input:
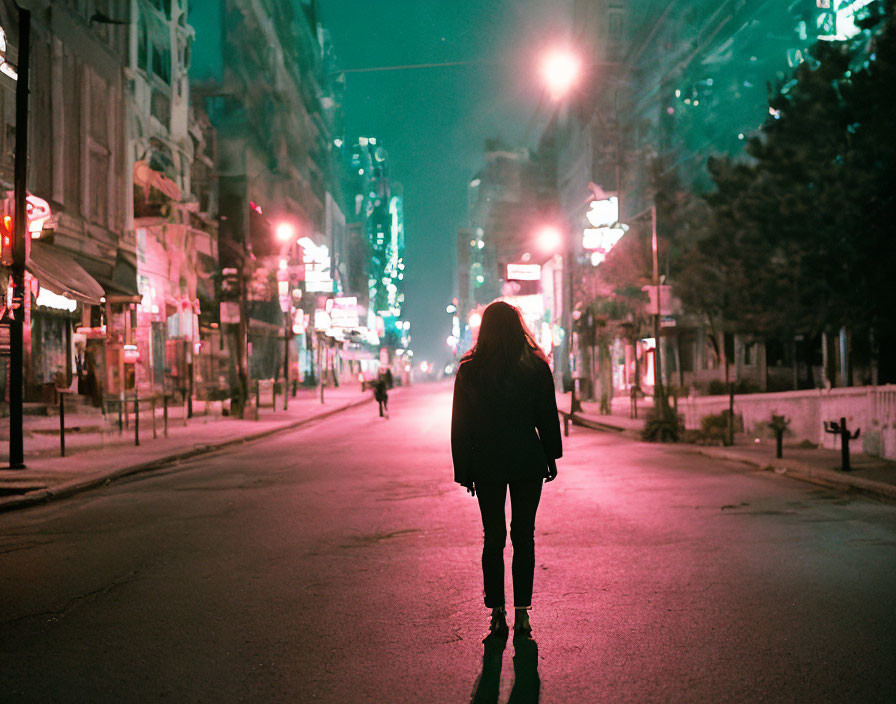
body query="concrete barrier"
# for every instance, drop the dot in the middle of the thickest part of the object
(871, 408)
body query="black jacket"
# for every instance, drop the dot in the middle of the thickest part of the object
(504, 436)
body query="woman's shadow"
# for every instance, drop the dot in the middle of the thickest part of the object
(526, 684)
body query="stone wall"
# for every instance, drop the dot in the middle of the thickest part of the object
(870, 408)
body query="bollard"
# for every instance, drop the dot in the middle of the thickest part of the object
(120, 418)
(835, 428)
(165, 412)
(136, 421)
(153, 411)
(274, 395)
(258, 399)
(62, 425)
(779, 424)
(730, 413)
(565, 425)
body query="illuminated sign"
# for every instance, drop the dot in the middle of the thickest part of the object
(523, 272)
(321, 319)
(840, 25)
(298, 322)
(38, 212)
(532, 306)
(603, 212)
(323, 286)
(344, 312)
(317, 266)
(602, 238)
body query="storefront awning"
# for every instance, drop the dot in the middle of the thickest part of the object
(58, 272)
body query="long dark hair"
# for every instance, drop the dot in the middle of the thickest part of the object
(505, 346)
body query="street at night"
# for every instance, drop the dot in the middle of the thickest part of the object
(426, 351)
(340, 563)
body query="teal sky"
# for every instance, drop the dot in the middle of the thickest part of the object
(434, 122)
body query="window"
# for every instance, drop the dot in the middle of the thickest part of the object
(160, 106)
(161, 63)
(142, 46)
(99, 186)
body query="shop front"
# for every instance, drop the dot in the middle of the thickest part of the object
(63, 296)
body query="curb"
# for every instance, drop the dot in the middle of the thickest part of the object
(41, 496)
(799, 470)
(789, 468)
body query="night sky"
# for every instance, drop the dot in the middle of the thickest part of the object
(434, 122)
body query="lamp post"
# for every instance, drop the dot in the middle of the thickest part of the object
(659, 392)
(549, 238)
(560, 70)
(285, 232)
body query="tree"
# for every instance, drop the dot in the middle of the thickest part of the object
(797, 237)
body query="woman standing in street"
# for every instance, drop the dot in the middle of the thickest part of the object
(505, 432)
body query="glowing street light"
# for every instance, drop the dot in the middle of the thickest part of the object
(549, 238)
(285, 231)
(560, 71)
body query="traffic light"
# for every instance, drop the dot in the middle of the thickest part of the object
(7, 240)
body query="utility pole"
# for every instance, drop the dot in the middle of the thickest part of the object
(659, 393)
(286, 332)
(20, 252)
(574, 405)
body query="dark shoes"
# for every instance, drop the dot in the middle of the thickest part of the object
(522, 632)
(497, 627)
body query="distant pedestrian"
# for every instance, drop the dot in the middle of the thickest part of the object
(381, 393)
(505, 432)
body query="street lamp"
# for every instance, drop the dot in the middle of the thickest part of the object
(549, 238)
(560, 71)
(285, 231)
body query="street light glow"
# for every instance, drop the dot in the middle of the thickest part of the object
(560, 71)
(285, 231)
(549, 238)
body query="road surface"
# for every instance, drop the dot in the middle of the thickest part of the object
(339, 563)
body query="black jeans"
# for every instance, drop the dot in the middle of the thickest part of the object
(524, 498)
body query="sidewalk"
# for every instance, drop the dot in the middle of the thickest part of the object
(98, 453)
(870, 475)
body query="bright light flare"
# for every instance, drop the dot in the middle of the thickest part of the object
(549, 238)
(560, 71)
(285, 231)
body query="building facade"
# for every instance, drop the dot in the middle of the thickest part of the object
(75, 329)
(260, 72)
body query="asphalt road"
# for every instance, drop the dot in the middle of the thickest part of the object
(339, 563)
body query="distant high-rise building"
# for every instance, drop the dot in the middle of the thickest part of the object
(377, 205)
